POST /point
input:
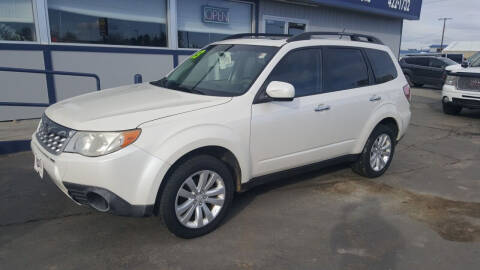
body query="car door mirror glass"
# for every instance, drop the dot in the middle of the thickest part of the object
(280, 91)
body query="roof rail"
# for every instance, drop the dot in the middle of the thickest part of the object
(242, 35)
(353, 36)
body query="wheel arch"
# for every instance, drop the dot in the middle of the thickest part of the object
(219, 152)
(383, 116)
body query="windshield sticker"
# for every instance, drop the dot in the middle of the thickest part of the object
(225, 60)
(197, 54)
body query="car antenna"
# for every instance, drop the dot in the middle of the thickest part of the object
(341, 33)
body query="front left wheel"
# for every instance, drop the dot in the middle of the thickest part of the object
(196, 197)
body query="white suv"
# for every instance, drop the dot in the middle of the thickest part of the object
(462, 87)
(236, 113)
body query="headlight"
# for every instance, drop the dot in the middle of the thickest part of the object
(94, 144)
(39, 124)
(451, 80)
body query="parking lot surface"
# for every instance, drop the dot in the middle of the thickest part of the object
(423, 214)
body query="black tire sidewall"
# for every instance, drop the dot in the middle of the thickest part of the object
(366, 167)
(174, 182)
(451, 109)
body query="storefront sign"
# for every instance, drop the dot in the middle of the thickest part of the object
(407, 9)
(215, 15)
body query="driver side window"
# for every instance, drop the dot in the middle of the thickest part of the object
(301, 69)
(436, 63)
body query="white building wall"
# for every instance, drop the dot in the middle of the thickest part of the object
(22, 87)
(114, 69)
(323, 18)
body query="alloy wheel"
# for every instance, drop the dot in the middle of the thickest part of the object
(200, 199)
(380, 152)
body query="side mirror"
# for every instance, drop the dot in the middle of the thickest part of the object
(280, 91)
(465, 64)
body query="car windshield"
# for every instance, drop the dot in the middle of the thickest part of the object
(448, 61)
(475, 60)
(219, 70)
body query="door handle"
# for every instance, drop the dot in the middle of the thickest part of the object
(322, 107)
(375, 98)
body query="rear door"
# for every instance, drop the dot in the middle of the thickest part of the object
(347, 80)
(420, 69)
(437, 69)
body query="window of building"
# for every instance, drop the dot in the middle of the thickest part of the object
(279, 25)
(301, 69)
(205, 21)
(274, 27)
(382, 65)
(116, 22)
(344, 68)
(16, 20)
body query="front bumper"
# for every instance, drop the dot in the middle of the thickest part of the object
(127, 179)
(113, 203)
(467, 99)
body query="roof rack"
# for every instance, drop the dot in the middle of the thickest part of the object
(309, 35)
(243, 35)
(353, 36)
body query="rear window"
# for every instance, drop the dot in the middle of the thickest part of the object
(382, 64)
(344, 68)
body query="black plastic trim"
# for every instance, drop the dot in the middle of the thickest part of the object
(353, 36)
(117, 205)
(467, 103)
(265, 179)
(244, 35)
(464, 74)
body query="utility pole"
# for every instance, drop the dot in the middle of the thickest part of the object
(443, 32)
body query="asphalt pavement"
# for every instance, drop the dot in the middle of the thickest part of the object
(423, 214)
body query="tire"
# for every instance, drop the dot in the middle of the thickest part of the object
(451, 109)
(363, 166)
(211, 168)
(418, 84)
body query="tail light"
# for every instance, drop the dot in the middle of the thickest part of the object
(407, 92)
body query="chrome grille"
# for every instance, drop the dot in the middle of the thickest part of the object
(469, 84)
(52, 136)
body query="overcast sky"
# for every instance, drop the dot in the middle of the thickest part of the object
(465, 25)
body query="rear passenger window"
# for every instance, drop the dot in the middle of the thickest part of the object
(419, 61)
(344, 68)
(383, 67)
(301, 69)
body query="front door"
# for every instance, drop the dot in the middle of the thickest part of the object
(284, 132)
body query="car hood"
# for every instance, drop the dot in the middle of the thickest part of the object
(453, 67)
(475, 70)
(126, 107)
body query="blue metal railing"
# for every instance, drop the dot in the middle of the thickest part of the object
(41, 71)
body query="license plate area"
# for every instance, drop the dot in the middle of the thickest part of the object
(38, 165)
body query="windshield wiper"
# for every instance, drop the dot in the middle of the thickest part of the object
(163, 83)
(160, 83)
(188, 90)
